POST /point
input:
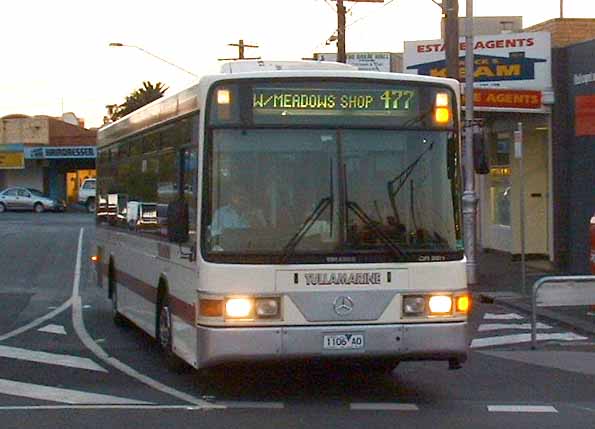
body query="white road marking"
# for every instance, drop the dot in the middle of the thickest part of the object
(508, 316)
(53, 329)
(524, 338)
(49, 358)
(98, 407)
(79, 327)
(251, 404)
(521, 409)
(497, 326)
(35, 323)
(66, 396)
(377, 406)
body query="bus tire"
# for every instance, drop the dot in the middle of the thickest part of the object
(165, 337)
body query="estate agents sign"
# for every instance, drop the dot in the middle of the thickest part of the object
(515, 60)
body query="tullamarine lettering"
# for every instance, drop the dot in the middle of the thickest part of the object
(342, 278)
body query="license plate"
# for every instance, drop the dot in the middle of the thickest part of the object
(343, 342)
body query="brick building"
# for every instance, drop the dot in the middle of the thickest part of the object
(566, 31)
(53, 155)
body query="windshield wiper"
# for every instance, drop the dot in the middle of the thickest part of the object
(305, 227)
(355, 207)
(400, 181)
(325, 202)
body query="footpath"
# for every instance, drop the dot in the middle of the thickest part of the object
(500, 282)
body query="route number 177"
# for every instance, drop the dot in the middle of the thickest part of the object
(397, 99)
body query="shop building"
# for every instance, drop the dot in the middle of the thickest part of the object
(574, 154)
(532, 76)
(45, 153)
(513, 86)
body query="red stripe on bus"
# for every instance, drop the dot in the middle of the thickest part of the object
(179, 308)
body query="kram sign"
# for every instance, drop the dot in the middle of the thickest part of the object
(515, 60)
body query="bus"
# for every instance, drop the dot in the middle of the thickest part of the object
(288, 211)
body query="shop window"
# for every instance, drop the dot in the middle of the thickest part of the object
(500, 179)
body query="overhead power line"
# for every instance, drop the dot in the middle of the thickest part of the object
(368, 16)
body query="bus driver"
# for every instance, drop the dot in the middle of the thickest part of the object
(236, 214)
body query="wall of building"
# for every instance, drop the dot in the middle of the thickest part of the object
(486, 25)
(30, 177)
(566, 31)
(580, 146)
(24, 130)
(65, 134)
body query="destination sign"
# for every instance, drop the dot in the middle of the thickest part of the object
(383, 101)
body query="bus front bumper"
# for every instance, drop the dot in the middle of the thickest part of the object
(423, 341)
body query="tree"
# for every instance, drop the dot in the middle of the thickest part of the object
(137, 99)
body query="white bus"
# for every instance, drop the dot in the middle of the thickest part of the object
(293, 211)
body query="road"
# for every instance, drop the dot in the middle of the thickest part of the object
(63, 363)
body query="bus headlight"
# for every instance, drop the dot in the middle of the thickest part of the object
(414, 305)
(440, 304)
(239, 308)
(267, 307)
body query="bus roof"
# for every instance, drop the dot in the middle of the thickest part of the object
(193, 98)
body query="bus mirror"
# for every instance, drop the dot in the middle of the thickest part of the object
(177, 221)
(451, 153)
(480, 156)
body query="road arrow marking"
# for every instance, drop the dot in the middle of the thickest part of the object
(53, 329)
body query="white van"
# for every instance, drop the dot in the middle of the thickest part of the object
(87, 194)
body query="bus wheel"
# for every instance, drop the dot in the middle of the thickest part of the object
(165, 338)
(116, 315)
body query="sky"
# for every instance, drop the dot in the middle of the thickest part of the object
(55, 55)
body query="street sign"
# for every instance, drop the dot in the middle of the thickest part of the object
(518, 144)
(12, 157)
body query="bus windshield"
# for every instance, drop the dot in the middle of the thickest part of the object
(323, 195)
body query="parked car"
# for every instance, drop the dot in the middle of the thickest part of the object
(18, 198)
(87, 194)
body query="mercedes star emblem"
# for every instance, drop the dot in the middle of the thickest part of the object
(343, 305)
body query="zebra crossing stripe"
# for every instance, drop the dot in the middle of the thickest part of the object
(497, 326)
(524, 338)
(507, 316)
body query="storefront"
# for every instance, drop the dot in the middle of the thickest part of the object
(45, 153)
(574, 155)
(63, 169)
(513, 86)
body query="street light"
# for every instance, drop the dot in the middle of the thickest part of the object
(118, 45)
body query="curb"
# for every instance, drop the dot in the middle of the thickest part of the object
(570, 322)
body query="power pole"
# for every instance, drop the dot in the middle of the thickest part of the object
(241, 46)
(341, 54)
(450, 9)
(469, 195)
